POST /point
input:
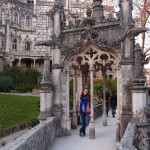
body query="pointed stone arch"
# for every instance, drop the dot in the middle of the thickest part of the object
(91, 53)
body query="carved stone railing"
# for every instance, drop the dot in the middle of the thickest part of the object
(136, 136)
(142, 137)
(28, 52)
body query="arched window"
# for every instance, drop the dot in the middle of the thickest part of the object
(27, 45)
(49, 22)
(14, 44)
(16, 18)
(28, 21)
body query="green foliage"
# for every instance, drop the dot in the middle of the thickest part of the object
(26, 87)
(21, 76)
(24, 79)
(6, 83)
(3, 143)
(111, 84)
(16, 109)
(98, 86)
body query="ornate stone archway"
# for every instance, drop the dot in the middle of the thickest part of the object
(81, 65)
(74, 47)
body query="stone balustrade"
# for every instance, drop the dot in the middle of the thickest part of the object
(27, 52)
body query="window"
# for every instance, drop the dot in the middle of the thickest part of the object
(14, 45)
(27, 45)
(16, 17)
(49, 22)
(28, 21)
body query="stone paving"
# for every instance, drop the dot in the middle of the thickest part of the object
(105, 138)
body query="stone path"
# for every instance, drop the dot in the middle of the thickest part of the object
(105, 138)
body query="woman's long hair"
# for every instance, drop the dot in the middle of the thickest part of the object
(88, 95)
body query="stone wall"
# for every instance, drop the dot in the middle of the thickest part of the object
(128, 138)
(38, 138)
(98, 110)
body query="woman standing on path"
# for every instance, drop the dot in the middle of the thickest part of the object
(84, 111)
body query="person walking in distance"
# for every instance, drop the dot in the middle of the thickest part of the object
(113, 103)
(107, 95)
(84, 111)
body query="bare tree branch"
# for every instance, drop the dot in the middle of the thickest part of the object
(147, 50)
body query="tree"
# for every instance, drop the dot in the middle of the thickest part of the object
(141, 16)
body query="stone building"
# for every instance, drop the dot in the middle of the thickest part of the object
(24, 22)
(78, 49)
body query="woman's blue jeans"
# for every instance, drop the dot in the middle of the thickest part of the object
(85, 121)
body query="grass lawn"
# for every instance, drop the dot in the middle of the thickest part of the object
(16, 109)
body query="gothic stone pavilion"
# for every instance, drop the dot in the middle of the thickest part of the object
(93, 44)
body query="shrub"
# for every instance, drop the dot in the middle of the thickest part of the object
(6, 83)
(22, 76)
(3, 143)
(26, 87)
(98, 86)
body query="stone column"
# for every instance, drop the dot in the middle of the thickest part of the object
(80, 88)
(92, 123)
(56, 78)
(74, 123)
(138, 90)
(19, 62)
(34, 63)
(103, 70)
(126, 64)
(118, 103)
(68, 122)
(46, 93)
(7, 35)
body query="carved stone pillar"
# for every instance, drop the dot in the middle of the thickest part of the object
(74, 121)
(104, 97)
(138, 90)
(92, 122)
(34, 63)
(68, 122)
(126, 64)
(46, 93)
(80, 88)
(19, 63)
(7, 35)
(56, 79)
(118, 103)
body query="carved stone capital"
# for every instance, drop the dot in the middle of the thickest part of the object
(43, 115)
(91, 69)
(57, 109)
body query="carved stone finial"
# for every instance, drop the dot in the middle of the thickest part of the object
(98, 11)
(139, 78)
(88, 12)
